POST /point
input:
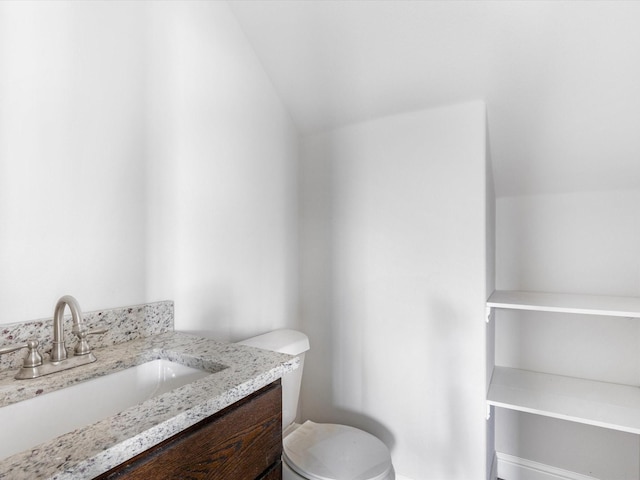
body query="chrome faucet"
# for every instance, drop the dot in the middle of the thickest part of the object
(33, 364)
(59, 348)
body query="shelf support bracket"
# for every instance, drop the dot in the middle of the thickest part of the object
(488, 414)
(489, 313)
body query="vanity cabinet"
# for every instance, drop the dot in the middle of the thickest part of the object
(243, 441)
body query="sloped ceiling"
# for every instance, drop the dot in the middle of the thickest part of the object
(561, 79)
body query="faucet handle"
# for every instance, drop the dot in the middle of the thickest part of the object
(82, 347)
(32, 359)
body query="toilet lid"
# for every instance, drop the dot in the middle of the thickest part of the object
(323, 451)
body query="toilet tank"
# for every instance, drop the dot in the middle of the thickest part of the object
(291, 342)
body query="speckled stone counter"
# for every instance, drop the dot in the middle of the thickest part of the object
(122, 323)
(85, 453)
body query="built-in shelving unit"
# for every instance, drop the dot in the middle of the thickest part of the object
(591, 402)
(566, 303)
(607, 405)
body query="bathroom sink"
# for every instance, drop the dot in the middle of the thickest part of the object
(31, 422)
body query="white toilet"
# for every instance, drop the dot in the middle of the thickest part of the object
(320, 451)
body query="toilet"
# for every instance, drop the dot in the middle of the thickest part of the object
(320, 451)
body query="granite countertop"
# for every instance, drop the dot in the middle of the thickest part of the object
(239, 370)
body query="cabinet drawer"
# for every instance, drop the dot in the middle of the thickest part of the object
(243, 441)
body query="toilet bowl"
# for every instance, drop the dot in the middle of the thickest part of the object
(325, 451)
(320, 451)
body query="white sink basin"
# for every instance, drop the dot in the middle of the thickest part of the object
(26, 424)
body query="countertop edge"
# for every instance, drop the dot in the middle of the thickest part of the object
(95, 449)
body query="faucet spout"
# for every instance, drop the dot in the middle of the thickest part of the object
(59, 349)
(34, 365)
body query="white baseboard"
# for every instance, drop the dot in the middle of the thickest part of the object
(515, 468)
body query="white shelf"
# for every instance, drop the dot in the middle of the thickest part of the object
(566, 303)
(595, 403)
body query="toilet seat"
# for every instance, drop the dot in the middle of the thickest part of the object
(323, 451)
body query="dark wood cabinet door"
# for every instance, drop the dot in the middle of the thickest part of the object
(275, 473)
(243, 442)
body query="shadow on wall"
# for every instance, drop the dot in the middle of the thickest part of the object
(398, 373)
(389, 342)
(320, 274)
(447, 393)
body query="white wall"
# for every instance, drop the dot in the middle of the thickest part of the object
(572, 243)
(222, 194)
(72, 149)
(490, 333)
(143, 156)
(393, 285)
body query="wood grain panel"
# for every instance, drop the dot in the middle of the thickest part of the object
(243, 441)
